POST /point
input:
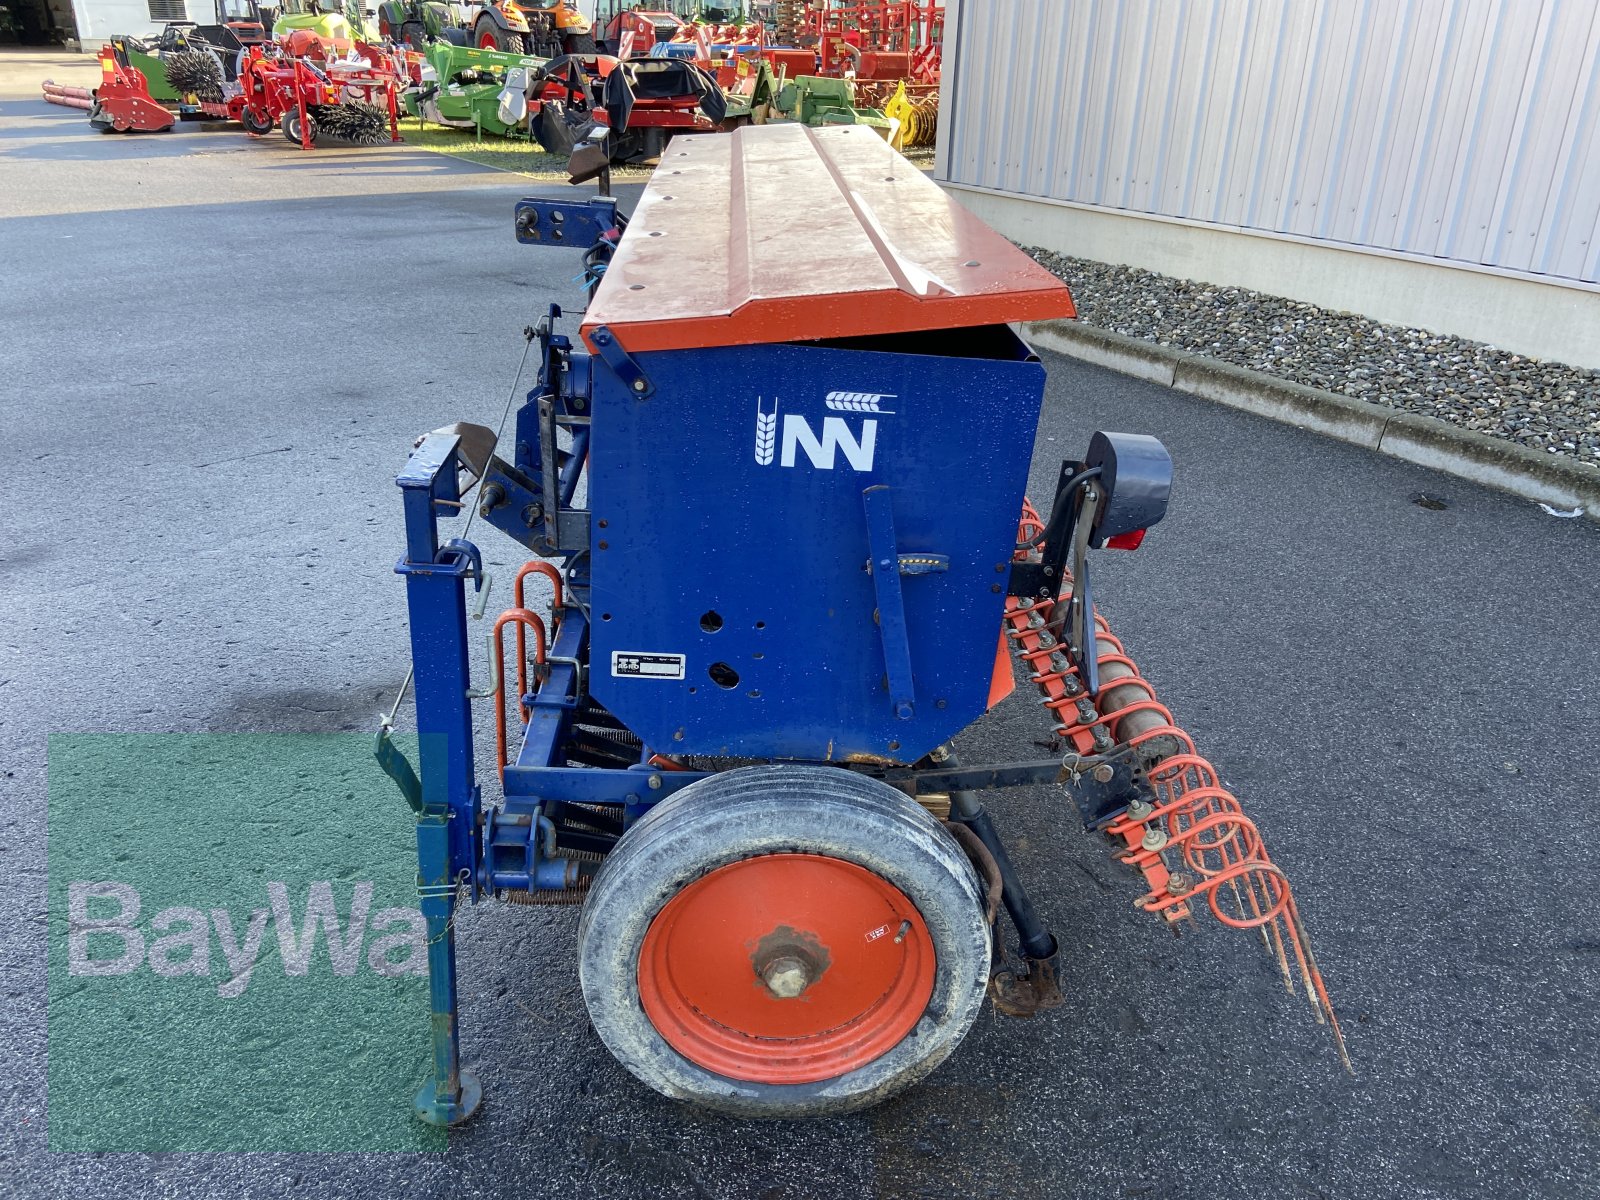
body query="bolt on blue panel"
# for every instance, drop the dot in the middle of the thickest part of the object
(743, 602)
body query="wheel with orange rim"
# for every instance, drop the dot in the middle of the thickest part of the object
(784, 941)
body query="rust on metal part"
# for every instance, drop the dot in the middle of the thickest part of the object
(549, 896)
(799, 234)
(993, 883)
(1029, 993)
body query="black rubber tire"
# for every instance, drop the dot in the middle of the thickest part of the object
(774, 810)
(502, 39)
(578, 43)
(413, 34)
(260, 129)
(290, 125)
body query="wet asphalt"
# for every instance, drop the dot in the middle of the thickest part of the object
(205, 399)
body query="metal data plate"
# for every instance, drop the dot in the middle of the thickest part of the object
(733, 610)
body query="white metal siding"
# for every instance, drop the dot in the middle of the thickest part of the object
(1462, 130)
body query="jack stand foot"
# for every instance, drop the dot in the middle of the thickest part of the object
(429, 1108)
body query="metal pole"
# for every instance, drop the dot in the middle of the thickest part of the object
(446, 851)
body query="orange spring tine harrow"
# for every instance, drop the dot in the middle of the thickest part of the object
(1194, 840)
(536, 567)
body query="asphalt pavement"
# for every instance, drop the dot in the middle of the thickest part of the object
(216, 355)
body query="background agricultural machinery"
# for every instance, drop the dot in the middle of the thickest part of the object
(799, 573)
(633, 106)
(504, 26)
(122, 103)
(356, 101)
(532, 71)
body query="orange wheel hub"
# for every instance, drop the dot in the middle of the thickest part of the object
(786, 968)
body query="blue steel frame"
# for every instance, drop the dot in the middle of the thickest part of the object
(463, 850)
(449, 804)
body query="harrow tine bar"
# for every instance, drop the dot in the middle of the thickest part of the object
(1194, 821)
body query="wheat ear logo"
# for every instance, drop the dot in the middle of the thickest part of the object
(766, 432)
(862, 402)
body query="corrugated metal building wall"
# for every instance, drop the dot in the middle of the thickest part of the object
(1457, 130)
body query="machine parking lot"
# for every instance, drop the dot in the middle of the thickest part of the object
(201, 526)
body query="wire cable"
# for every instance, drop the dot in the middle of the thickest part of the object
(1059, 511)
(411, 674)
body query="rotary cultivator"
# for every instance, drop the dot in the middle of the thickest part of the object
(122, 102)
(798, 574)
(354, 100)
(304, 84)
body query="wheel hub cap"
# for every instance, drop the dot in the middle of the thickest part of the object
(786, 969)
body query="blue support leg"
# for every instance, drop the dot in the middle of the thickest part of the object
(447, 827)
(452, 1095)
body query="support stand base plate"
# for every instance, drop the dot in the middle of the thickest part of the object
(434, 1110)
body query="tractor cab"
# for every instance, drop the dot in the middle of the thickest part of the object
(239, 23)
(329, 19)
(632, 33)
(243, 17)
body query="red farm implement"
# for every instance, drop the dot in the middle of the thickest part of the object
(356, 101)
(877, 41)
(634, 106)
(122, 103)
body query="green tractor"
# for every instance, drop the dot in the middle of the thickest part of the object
(335, 20)
(420, 23)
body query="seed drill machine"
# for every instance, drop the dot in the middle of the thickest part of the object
(773, 487)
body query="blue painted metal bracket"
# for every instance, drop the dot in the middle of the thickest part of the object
(621, 363)
(891, 614)
(517, 853)
(571, 223)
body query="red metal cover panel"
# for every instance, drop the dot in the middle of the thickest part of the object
(780, 233)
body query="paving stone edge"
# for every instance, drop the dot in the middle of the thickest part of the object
(1494, 462)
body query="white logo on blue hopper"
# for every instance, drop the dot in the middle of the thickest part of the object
(836, 437)
(859, 402)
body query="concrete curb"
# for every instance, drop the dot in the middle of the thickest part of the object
(1426, 441)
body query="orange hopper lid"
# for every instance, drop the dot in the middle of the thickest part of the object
(780, 233)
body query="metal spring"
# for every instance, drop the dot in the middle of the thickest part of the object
(550, 898)
(1193, 815)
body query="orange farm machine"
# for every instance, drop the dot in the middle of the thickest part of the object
(885, 41)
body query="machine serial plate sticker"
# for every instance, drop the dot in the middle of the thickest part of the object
(632, 664)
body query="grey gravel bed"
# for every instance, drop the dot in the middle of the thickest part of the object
(1546, 405)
